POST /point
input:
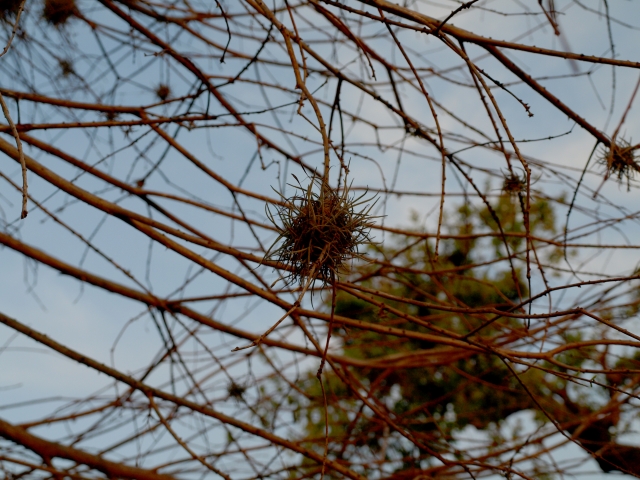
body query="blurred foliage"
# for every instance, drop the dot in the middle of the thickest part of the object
(434, 403)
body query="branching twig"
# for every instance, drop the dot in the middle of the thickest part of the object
(25, 193)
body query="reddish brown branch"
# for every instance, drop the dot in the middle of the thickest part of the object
(48, 450)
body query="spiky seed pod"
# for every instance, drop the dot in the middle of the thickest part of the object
(620, 160)
(235, 390)
(163, 91)
(58, 12)
(111, 116)
(320, 229)
(66, 67)
(514, 184)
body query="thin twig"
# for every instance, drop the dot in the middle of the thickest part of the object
(15, 28)
(181, 442)
(23, 164)
(459, 9)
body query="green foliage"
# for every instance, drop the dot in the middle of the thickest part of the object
(434, 401)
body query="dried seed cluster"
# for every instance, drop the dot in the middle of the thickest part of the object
(163, 91)
(514, 184)
(235, 390)
(66, 67)
(620, 160)
(320, 229)
(58, 12)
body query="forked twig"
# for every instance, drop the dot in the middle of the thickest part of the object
(25, 194)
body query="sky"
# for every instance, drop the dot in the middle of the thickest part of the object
(121, 332)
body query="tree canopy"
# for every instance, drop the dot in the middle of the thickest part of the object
(430, 392)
